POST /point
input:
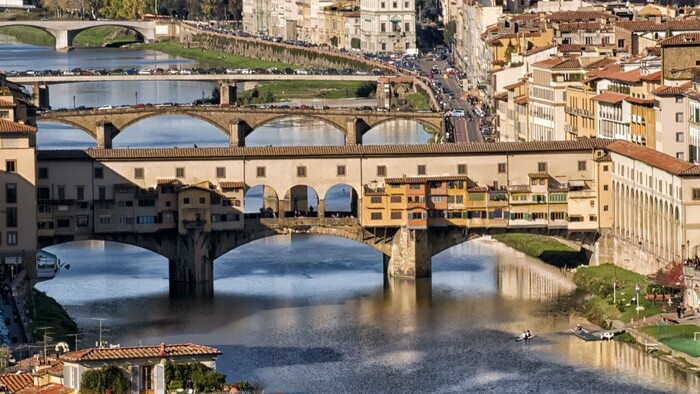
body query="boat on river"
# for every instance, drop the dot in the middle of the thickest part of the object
(588, 335)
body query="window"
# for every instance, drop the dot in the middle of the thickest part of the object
(696, 194)
(395, 215)
(679, 116)
(421, 169)
(11, 216)
(407, 27)
(43, 193)
(680, 155)
(582, 165)
(679, 137)
(146, 220)
(147, 203)
(376, 216)
(382, 27)
(221, 172)
(396, 199)
(415, 186)
(605, 188)
(341, 171)
(679, 99)
(405, 4)
(99, 173)
(461, 169)
(592, 203)
(186, 200)
(202, 200)
(605, 168)
(592, 218)
(557, 215)
(381, 170)
(10, 166)
(11, 193)
(43, 173)
(260, 172)
(138, 173)
(395, 4)
(542, 167)
(383, 5)
(82, 220)
(376, 200)
(61, 191)
(180, 172)
(501, 168)
(605, 208)
(12, 238)
(80, 192)
(63, 223)
(301, 171)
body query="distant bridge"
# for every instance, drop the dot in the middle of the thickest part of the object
(227, 78)
(65, 31)
(236, 122)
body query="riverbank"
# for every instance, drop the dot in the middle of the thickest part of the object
(50, 314)
(95, 37)
(545, 248)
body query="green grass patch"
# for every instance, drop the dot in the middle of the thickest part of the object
(211, 58)
(544, 248)
(95, 37)
(50, 313)
(418, 102)
(625, 337)
(28, 35)
(599, 281)
(287, 90)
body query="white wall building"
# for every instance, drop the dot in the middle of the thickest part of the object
(388, 25)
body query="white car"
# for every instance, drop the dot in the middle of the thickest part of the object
(105, 107)
(301, 71)
(145, 71)
(458, 112)
(185, 72)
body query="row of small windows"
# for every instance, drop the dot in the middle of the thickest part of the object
(443, 214)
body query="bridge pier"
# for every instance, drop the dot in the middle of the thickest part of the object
(105, 133)
(228, 93)
(40, 95)
(354, 130)
(191, 269)
(238, 130)
(411, 255)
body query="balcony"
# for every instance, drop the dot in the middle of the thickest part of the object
(585, 193)
(519, 188)
(194, 224)
(571, 128)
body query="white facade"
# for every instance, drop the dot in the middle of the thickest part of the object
(388, 26)
(693, 129)
(473, 51)
(671, 132)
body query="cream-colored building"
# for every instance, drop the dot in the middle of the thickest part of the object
(388, 26)
(672, 135)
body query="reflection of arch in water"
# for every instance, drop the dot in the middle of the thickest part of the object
(301, 200)
(340, 200)
(261, 200)
(397, 131)
(296, 130)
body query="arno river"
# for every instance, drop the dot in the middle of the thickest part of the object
(314, 313)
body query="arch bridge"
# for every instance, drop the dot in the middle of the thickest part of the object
(65, 31)
(236, 122)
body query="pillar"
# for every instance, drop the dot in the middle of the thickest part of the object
(411, 255)
(191, 270)
(105, 133)
(321, 209)
(40, 95)
(238, 130)
(354, 129)
(228, 93)
(64, 40)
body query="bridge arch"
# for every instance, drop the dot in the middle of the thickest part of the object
(138, 32)
(193, 114)
(261, 201)
(79, 126)
(300, 200)
(428, 126)
(147, 241)
(46, 30)
(262, 121)
(340, 200)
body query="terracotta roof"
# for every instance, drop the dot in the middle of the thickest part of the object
(7, 104)
(424, 179)
(665, 90)
(154, 351)
(526, 17)
(654, 158)
(568, 48)
(539, 49)
(568, 27)
(538, 175)
(562, 16)
(231, 185)
(656, 76)
(631, 76)
(653, 51)
(168, 181)
(514, 85)
(14, 127)
(683, 39)
(559, 62)
(651, 25)
(15, 382)
(501, 96)
(639, 101)
(605, 157)
(610, 98)
(599, 63)
(285, 152)
(498, 38)
(51, 388)
(478, 189)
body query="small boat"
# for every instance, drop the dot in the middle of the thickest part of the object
(520, 338)
(586, 334)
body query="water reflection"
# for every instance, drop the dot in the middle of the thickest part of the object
(315, 314)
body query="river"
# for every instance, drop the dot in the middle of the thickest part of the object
(310, 313)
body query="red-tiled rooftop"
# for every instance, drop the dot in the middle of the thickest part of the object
(539, 49)
(652, 25)
(665, 90)
(609, 97)
(424, 179)
(501, 96)
(683, 39)
(631, 76)
(520, 100)
(51, 388)
(231, 185)
(599, 63)
(562, 16)
(514, 85)
(569, 48)
(137, 352)
(7, 126)
(639, 101)
(654, 158)
(653, 77)
(284, 152)
(538, 175)
(15, 382)
(559, 62)
(6, 104)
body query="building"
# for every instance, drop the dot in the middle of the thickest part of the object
(388, 26)
(681, 57)
(672, 130)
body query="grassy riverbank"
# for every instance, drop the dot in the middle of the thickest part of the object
(95, 37)
(599, 282)
(544, 248)
(50, 313)
(211, 58)
(288, 90)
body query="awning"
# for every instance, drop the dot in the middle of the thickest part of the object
(13, 260)
(577, 183)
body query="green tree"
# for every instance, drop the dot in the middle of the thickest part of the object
(96, 381)
(355, 43)
(123, 9)
(450, 31)
(203, 378)
(334, 41)
(366, 89)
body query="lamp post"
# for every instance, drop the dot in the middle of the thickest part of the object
(136, 98)
(74, 102)
(637, 288)
(202, 97)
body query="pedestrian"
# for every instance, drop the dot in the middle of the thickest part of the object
(679, 311)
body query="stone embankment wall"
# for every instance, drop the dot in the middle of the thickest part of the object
(612, 249)
(192, 37)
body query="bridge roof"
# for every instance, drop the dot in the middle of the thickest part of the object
(424, 179)
(323, 151)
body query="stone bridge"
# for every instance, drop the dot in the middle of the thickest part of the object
(407, 253)
(65, 31)
(236, 122)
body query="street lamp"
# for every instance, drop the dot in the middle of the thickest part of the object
(73, 102)
(637, 288)
(202, 97)
(136, 98)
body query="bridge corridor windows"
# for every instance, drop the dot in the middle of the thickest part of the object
(301, 201)
(261, 201)
(340, 201)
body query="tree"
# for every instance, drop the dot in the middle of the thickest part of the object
(96, 381)
(201, 377)
(123, 9)
(366, 89)
(450, 31)
(355, 43)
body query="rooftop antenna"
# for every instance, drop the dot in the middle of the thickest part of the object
(46, 339)
(100, 319)
(75, 336)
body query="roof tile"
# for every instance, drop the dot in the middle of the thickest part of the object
(654, 158)
(424, 179)
(7, 126)
(610, 98)
(15, 382)
(154, 351)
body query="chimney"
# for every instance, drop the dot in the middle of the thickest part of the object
(161, 352)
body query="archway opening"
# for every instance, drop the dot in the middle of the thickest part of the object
(168, 131)
(106, 36)
(340, 201)
(261, 201)
(52, 135)
(296, 131)
(397, 131)
(300, 201)
(30, 35)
